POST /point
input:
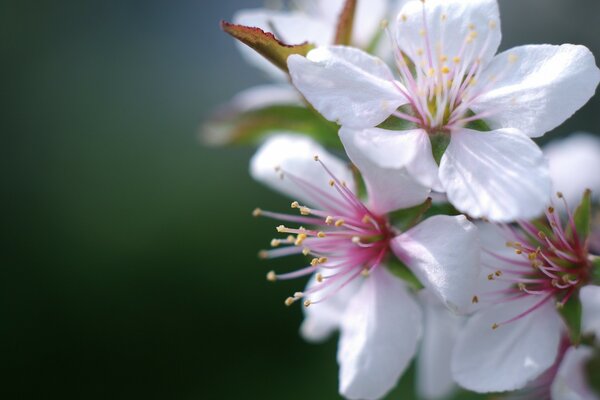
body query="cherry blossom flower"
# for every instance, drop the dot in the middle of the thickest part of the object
(350, 242)
(454, 97)
(532, 271)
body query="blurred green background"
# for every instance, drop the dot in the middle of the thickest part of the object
(128, 262)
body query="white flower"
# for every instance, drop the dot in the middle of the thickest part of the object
(515, 336)
(350, 241)
(448, 79)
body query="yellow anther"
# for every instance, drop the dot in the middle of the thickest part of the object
(319, 277)
(518, 252)
(403, 17)
(498, 273)
(316, 157)
(384, 24)
(456, 60)
(275, 242)
(495, 326)
(306, 251)
(339, 222)
(280, 228)
(365, 272)
(321, 235)
(419, 52)
(422, 32)
(492, 24)
(521, 286)
(532, 256)
(314, 262)
(431, 72)
(554, 282)
(322, 260)
(300, 238)
(263, 254)
(295, 204)
(559, 195)
(304, 210)
(290, 238)
(355, 239)
(472, 27)
(289, 301)
(559, 305)
(329, 220)
(331, 182)
(445, 70)
(475, 300)
(298, 295)
(512, 58)
(257, 212)
(490, 277)
(444, 17)
(542, 235)
(550, 209)
(271, 276)
(366, 219)
(307, 303)
(443, 59)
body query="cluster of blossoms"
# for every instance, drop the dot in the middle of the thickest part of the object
(439, 237)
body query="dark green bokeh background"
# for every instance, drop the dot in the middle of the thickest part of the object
(128, 265)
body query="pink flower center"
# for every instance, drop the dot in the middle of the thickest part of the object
(441, 88)
(343, 238)
(553, 261)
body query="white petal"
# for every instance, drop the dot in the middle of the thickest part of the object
(590, 302)
(500, 175)
(507, 358)
(441, 328)
(289, 27)
(444, 253)
(448, 25)
(263, 96)
(392, 186)
(380, 331)
(322, 319)
(537, 87)
(569, 383)
(574, 162)
(346, 85)
(294, 154)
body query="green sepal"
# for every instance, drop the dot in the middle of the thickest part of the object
(399, 269)
(439, 144)
(407, 218)
(592, 372)
(478, 124)
(345, 25)
(595, 260)
(266, 44)
(252, 126)
(571, 314)
(583, 216)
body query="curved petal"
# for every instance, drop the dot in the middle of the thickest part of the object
(569, 383)
(437, 30)
(537, 87)
(590, 302)
(346, 85)
(500, 175)
(441, 328)
(507, 358)
(379, 335)
(390, 188)
(443, 252)
(574, 162)
(321, 320)
(289, 27)
(287, 153)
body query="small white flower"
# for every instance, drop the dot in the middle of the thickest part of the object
(516, 335)
(448, 78)
(349, 242)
